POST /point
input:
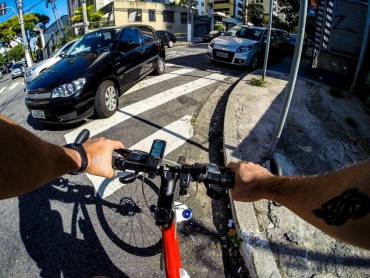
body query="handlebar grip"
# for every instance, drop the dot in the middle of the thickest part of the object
(225, 180)
(82, 136)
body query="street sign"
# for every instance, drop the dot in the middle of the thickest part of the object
(2, 8)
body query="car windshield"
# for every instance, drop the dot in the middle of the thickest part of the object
(64, 48)
(17, 66)
(101, 40)
(250, 33)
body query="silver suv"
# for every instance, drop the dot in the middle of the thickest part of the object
(244, 45)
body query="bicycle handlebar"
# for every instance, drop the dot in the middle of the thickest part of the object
(215, 178)
(205, 173)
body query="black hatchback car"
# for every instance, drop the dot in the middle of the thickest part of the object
(96, 70)
(212, 35)
(168, 38)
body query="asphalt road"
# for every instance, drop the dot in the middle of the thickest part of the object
(69, 228)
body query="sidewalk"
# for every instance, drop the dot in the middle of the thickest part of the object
(322, 133)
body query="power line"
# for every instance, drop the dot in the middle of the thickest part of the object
(34, 6)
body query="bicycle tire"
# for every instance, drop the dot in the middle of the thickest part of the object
(126, 218)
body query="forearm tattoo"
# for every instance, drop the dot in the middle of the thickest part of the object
(351, 204)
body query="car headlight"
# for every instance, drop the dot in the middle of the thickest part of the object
(244, 48)
(68, 89)
(212, 44)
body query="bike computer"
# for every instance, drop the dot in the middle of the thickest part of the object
(155, 156)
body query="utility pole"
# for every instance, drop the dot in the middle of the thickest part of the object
(190, 19)
(84, 18)
(25, 42)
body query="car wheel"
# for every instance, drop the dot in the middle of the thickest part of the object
(106, 99)
(254, 62)
(170, 44)
(160, 66)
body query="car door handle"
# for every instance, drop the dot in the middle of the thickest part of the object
(142, 51)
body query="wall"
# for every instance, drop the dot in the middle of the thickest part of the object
(121, 16)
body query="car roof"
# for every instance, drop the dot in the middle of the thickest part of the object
(254, 27)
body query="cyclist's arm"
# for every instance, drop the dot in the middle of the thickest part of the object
(27, 162)
(337, 203)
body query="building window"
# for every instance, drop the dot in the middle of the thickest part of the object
(196, 3)
(151, 15)
(184, 18)
(134, 15)
(202, 4)
(168, 16)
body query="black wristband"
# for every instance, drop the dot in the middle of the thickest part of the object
(80, 149)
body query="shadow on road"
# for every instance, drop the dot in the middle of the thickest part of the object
(58, 252)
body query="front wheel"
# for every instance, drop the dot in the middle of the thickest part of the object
(106, 99)
(254, 62)
(170, 44)
(160, 66)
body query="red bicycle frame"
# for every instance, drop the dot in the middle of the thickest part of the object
(171, 251)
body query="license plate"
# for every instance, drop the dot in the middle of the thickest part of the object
(38, 114)
(221, 54)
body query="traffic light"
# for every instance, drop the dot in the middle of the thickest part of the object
(2, 8)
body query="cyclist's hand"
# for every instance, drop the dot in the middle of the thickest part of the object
(250, 179)
(99, 152)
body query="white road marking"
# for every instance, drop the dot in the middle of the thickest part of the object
(125, 113)
(151, 81)
(2, 90)
(13, 86)
(175, 134)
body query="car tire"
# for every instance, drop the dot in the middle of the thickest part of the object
(254, 62)
(170, 44)
(106, 99)
(160, 66)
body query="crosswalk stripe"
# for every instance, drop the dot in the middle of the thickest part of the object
(125, 113)
(151, 81)
(175, 134)
(13, 86)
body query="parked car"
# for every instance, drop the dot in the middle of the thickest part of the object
(95, 71)
(36, 69)
(168, 38)
(244, 45)
(212, 35)
(17, 70)
(7, 68)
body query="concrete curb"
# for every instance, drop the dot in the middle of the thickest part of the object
(255, 248)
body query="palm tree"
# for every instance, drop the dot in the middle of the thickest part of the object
(92, 14)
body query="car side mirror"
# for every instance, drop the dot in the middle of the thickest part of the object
(62, 54)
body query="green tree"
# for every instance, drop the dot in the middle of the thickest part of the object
(291, 13)
(279, 24)
(184, 3)
(10, 30)
(16, 53)
(2, 60)
(92, 14)
(255, 14)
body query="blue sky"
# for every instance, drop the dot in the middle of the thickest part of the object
(35, 6)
